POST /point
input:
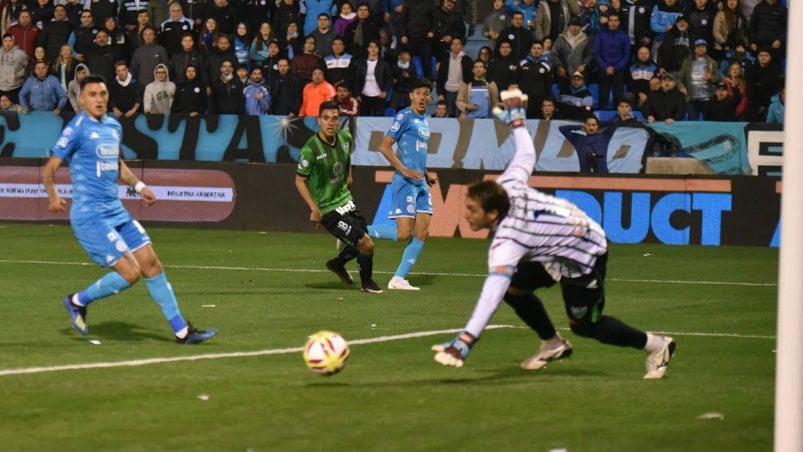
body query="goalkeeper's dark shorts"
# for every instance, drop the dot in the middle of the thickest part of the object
(584, 297)
(346, 223)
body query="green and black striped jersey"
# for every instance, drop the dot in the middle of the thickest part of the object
(327, 168)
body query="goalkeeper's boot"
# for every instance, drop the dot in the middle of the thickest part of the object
(399, 283)
(77, 315)
(552, 350)
(371, 287)
(196, 336)
(340, 271)
(658, 361)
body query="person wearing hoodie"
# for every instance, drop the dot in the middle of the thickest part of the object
(775, 112)
(42, 92)
(664, 15)
(125, 94)
(159, 94)
(257, 96)
(191, 96)
(147, 57)
(74, 87)
(13, 62)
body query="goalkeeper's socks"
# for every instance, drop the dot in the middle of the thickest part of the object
(409, 257)
(654, 343)
(108, 285)
(387, 231)
(162, 293)
(346, 254)
(365, 262)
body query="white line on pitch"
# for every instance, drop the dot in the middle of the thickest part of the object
(284, 351)
(467, 275)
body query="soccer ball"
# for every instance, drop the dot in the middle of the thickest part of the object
(326, 352)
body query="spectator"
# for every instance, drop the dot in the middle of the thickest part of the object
(42, 92)
(722, 106)
(159, 94)
(208, 36)
(404, 75)
(256, 12)
(13, 65)
(666, 104)
(64, 66)
(259, 47)
(102, 56)
(495, 22)
(548, 111)
(387, 46)
(190, 94)
(665, 14)
(157, 12)
(133, 37)
(454, 69)
(416, 34)
(624, 114)
(360, 33)
(739, 55)
(304, 63)
(591, 143)
(226, 91)
(10, 14)
(502, 67)
(242, 74)
(42, 12)
(257, 96)
(324, 34)
(338, 64)
(697, 74)
(315, 93)
(576, 100)
(635, 17)
(7, 105)
(737, 87)
(242, 45)
(222, 51)
(55, 32)
(574, 51)
(730, 28)
(38, 55)
(292, 44)
(189, 55)
(640, 73)
(286, 14)
(74, 9)
(477, 98)
(172, 30)
(147, 57)
(775, 112)
(129, 10)
(552, 18)
(763, 82)
(447, 24)
(374, 79)
(345, 17)
(125, 93)
(224, 14)
(286, 91)
(194, 10)
(25, 33)
(676, 46)
(612, 53)
(117, 36)
(768, 27)
(348, 104)
(270, 65)
(103, 9)
(83, 35)
(594, 16)
(534, 78)
(74, 87)
(519, 38)
(701, 15)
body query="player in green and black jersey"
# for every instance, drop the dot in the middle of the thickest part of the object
(323, 178)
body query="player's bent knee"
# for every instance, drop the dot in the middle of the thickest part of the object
(366, 245)
(582, 328)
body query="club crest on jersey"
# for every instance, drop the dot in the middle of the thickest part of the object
(303, 163)
(578, 312)
(62, 143)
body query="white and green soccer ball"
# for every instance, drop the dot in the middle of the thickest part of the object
(326, 352)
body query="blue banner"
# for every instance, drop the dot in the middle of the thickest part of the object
(720, 145)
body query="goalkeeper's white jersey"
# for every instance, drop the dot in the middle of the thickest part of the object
(540, 227)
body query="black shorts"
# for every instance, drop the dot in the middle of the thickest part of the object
(584, 297)
(346, 223)
(530, 276)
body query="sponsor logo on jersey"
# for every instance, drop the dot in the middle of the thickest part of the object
(94, 136)
(105, 151)
(62, 143)
(303, 163)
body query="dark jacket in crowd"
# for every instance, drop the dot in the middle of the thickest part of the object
(417, 18)
(227, 97)
(286, 93)
(382, 72)
(501, 70)
(100, 60)
(195, 57)
(123, 97)
(190, 97)
(53, 36)
(663, 105)
(170, 34)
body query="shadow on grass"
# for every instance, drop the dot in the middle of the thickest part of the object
(119, 331)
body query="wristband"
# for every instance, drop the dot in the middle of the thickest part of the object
(139, 186)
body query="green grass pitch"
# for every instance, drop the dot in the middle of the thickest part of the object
(267, 292)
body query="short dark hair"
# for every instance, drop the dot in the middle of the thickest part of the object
(422, 82)
(441, 102)
(490, 195)
(328, 105)
(91, 78)
(323, 15)
(120, 63)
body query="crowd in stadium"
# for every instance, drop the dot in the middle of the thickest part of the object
(671, 60)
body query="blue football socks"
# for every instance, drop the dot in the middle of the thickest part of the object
(162, 294)
(409, 257)
(108, 285)
(388, 231)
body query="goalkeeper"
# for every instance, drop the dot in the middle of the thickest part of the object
(537, 239)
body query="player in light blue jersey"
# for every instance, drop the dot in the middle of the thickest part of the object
(91, 145)
(411, 204)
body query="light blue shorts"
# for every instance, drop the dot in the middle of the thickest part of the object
(407, 199)
(105, 242)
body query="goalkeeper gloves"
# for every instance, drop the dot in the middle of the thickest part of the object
(454, 352)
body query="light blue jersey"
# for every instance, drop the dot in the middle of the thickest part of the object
(92, 149)
(411, 132)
